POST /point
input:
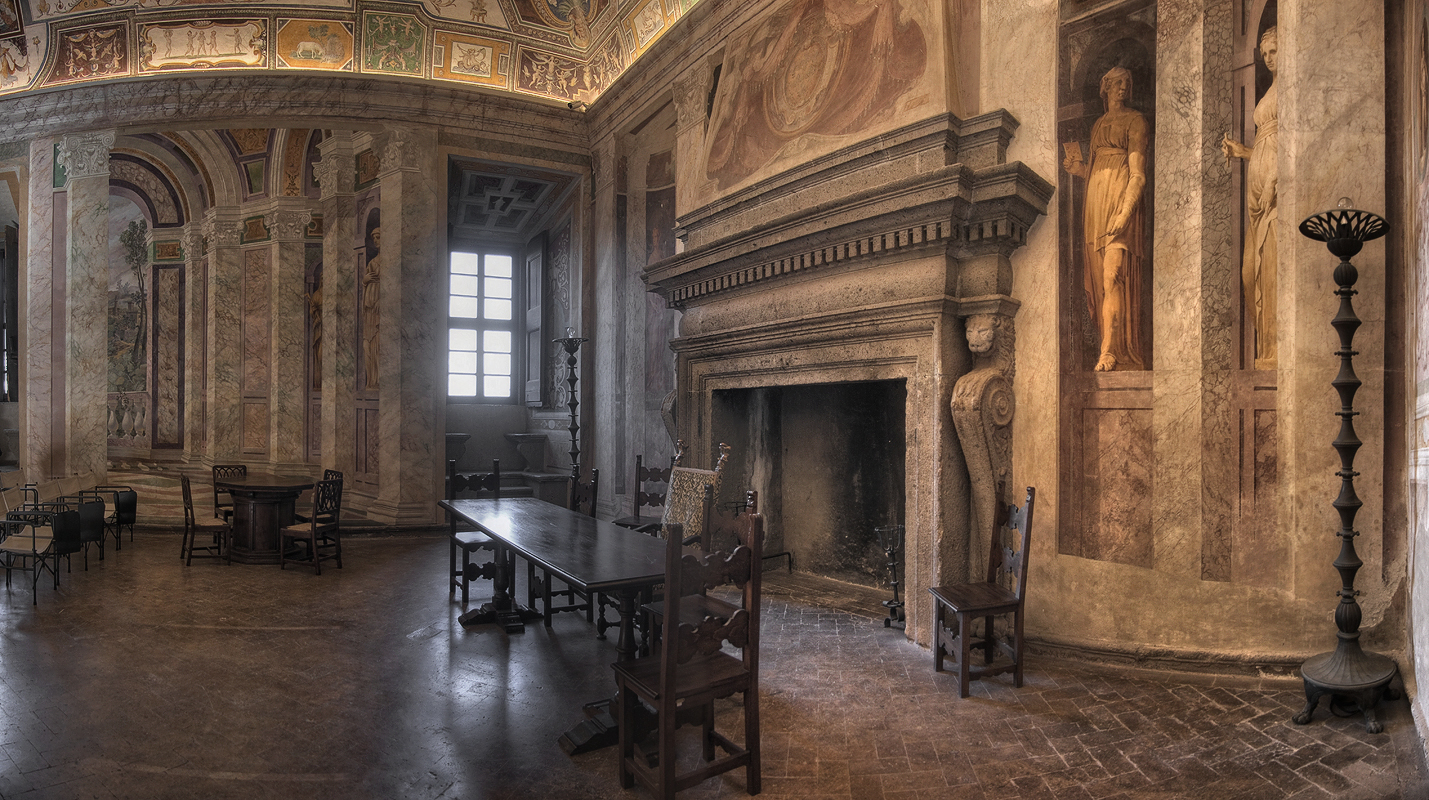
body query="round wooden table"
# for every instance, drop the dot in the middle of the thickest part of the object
(262, 504)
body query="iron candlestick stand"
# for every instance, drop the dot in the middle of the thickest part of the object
(572, 344)
(1349, 674)
(890, 538)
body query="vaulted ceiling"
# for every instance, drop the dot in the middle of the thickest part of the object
(566, 50)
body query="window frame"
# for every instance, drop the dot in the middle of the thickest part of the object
(514, 326)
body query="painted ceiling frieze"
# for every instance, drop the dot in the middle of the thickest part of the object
(566, 50)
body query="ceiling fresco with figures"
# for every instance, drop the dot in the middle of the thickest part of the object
(565, 50)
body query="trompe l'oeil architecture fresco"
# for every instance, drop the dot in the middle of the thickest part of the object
(566, 50)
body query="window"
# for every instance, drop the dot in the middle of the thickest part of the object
(482, 326)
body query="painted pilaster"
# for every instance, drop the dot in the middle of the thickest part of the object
(691, 90)
(195, 344)
(411, 384)
(85, 159)
(225, 345)
(335, 173)
(1331, 79)
(602, 384)
(288, 393)
(37, 299)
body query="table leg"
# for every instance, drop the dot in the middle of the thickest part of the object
(502, 609)
(599, 729)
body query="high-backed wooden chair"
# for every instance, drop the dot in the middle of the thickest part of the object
(651, 485)
(217, 536)
(580, 498)
(468, 542)
(1002, 593)
(322, 532)
(222, 500)
(691, 670)
(685, 502)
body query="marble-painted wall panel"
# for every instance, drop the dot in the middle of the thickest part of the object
(168, 356)
(1117, 474)
(255, 426)
(41, 220)
(257, 321)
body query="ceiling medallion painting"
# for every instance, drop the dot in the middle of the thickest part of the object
(203, 45)
(566, 50)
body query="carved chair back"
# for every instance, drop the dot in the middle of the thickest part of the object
(685, 503)
(222, 500)
(688, 574)
(1007, 563)
(458, 482)
(583, 493)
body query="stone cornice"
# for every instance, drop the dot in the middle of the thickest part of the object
(286, 100)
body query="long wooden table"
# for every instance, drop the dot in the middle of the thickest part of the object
(587, 553)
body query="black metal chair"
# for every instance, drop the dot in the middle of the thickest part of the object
(322, 533)
(1001, 593)
(468, 542)
(218, 536)
(124, 504)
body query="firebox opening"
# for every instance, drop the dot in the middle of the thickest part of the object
(828, 462)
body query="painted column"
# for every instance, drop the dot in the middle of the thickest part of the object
(195, 344)
(411, 381)
(37, 288)
(225, 345)
(336, 175)
(601, 372)
(288, 390)
(85, 159)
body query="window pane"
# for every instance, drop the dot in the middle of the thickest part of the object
(461, 385)
(465, 307)
(497, 341)
(466, 284)
(496, 386)
(496, 287)
(497, 364)
(463, 362)
(497, 309)
(464, 339)
(466, 263)
(498, 266)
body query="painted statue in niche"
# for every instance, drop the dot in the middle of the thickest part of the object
(315, 329)
(983, 406)
(371, 320)
(1258, 261)
(1113, 233)
(813, 68)
(129, 312)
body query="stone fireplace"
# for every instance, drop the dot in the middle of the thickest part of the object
(824, 307)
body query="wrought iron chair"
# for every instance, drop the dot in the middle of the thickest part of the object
(322, 533)
(51, 533)
(218, 536)
(124, 504)
(469, 542)
(1001, 593)
(691, 670)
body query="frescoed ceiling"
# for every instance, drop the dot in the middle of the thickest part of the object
(566, 50)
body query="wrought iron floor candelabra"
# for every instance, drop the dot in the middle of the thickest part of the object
(1348, 674)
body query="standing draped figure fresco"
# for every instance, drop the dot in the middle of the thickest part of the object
(983, 406)
(1113, 242)
(1261, 210)
(370, 294)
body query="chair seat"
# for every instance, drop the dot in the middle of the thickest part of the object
(976, 598)
(716, 675)
(22, 544)
(694, 609)
(471, 540)
(644, 523)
